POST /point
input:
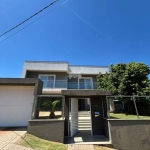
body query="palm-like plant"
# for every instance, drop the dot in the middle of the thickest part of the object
(51, 106)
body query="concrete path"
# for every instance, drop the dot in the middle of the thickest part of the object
(10, 136)
(87, 147)
(80, 147)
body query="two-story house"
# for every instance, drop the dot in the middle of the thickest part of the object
(58, 76)
(72, 90)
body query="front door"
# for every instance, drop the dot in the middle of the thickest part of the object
(74, 116)
(97, 116)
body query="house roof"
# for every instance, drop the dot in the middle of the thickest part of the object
(59, 66)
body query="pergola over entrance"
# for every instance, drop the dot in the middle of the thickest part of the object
(98, 106)
(85, 93)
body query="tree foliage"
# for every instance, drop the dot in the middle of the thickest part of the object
(51, 106)
(126, 79)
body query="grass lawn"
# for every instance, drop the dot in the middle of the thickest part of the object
(124, 116)
(40, 144)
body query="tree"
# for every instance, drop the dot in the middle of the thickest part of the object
(51, 106)
(126, 79)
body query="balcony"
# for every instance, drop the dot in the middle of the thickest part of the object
(80, 85)
(55, 84)
(61, 84)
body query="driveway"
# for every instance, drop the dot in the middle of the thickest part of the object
(10, 136)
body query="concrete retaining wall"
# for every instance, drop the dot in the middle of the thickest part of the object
(48, 129)
(106, 128)
(130, 134)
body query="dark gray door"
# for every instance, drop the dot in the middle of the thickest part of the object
(97, 116)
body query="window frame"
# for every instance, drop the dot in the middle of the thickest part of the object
(86, 78)
(47, 76)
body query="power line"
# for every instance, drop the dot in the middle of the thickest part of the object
(29, 18)
(33, 22)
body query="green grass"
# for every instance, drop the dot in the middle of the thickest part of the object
(40, 144)
(124, 116)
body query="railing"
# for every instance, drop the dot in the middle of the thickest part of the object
(95, 86)
(72, 85)
(54, 84)
(82, 85)
(69, 85)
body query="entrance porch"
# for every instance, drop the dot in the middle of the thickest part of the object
(76, 122)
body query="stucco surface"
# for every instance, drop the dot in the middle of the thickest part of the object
(62, 67)
(85, 93)
(87, 69)
(47, 66)
(130, 134)
(24, 82)
(47, 129)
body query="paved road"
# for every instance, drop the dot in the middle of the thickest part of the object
(10, 136)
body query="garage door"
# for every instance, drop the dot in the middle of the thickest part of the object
(15, 105)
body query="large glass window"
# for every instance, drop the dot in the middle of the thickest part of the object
(85, 83)
(72, 83)
(48, 81)
(49, 108)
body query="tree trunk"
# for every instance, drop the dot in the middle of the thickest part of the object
(111, 105)
(52, 115)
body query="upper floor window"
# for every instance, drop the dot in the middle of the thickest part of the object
(48, 80)
(85, 83)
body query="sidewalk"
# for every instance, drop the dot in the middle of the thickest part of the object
(9, 137)
(80, 147)
(87, 147)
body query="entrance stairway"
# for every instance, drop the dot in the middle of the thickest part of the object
(83, 135)
(84, 120)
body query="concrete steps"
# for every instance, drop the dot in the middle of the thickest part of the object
(84, 120)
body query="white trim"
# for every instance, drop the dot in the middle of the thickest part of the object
(69, 128)
(91, 118)
(47, 76)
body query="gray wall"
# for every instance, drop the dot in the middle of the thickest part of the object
(130, 134)
(59, 75)
(49, 129)
(93, 76)
(66, 115)
(97, 120)
(24, 82)
(106, 128)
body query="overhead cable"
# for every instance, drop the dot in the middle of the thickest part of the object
(29, 18)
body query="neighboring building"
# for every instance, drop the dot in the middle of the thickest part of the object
(58, 76)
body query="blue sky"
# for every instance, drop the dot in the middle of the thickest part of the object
(82, 32)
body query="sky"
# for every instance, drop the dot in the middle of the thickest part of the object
(81, 32)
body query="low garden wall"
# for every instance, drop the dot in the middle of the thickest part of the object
(130, 134)
(48, 129)
(106, 128)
